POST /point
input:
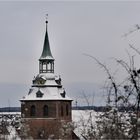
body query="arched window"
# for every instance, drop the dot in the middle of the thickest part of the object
(67, 109)
(45, 110)
(33, 110)
(62, 111)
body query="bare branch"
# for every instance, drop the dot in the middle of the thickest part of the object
(137, 27)
(110, 77)
(136, 50)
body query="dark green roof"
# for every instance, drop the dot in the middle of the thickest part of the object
(46, 53)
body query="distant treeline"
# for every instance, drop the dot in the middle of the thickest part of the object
(102, 108)
(10, 109)
(96, 108)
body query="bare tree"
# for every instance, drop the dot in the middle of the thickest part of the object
(124, 96)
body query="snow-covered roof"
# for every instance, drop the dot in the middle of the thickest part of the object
(46, 58)
(49, 76)
(47, 79)
(48, 93)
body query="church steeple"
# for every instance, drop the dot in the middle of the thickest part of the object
(46, 108)
(46, 53)
(46, 61)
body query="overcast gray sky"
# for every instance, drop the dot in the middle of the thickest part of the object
(74, 28)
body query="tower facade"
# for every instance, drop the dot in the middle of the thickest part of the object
(46, 109)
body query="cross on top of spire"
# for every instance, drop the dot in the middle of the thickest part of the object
(46, 18)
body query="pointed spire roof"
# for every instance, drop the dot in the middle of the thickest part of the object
(46, 53)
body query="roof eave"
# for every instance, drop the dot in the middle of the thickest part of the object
(46, 100)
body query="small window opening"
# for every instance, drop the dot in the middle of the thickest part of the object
(49, 66)
(44, 67)
(63, 94)
(33, 110)
(39, 94)
(67, 110)
(62, 111)
(45, 110)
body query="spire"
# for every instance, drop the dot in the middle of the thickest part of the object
(46, 53)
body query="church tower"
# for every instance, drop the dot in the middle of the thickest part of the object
(46, 108)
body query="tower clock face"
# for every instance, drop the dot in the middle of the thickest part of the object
(40, 81)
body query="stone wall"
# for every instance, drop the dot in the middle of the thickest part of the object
(54, 109)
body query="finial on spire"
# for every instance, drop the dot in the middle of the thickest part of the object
(46, 18)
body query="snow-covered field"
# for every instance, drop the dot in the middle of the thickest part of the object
(83, 121)
(83, 114)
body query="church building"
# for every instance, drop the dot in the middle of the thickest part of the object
(46, 108)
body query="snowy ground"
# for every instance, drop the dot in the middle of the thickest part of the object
(81, 119)
(82, 114)
(9, 121)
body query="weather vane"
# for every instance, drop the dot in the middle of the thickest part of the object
(46, 17)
